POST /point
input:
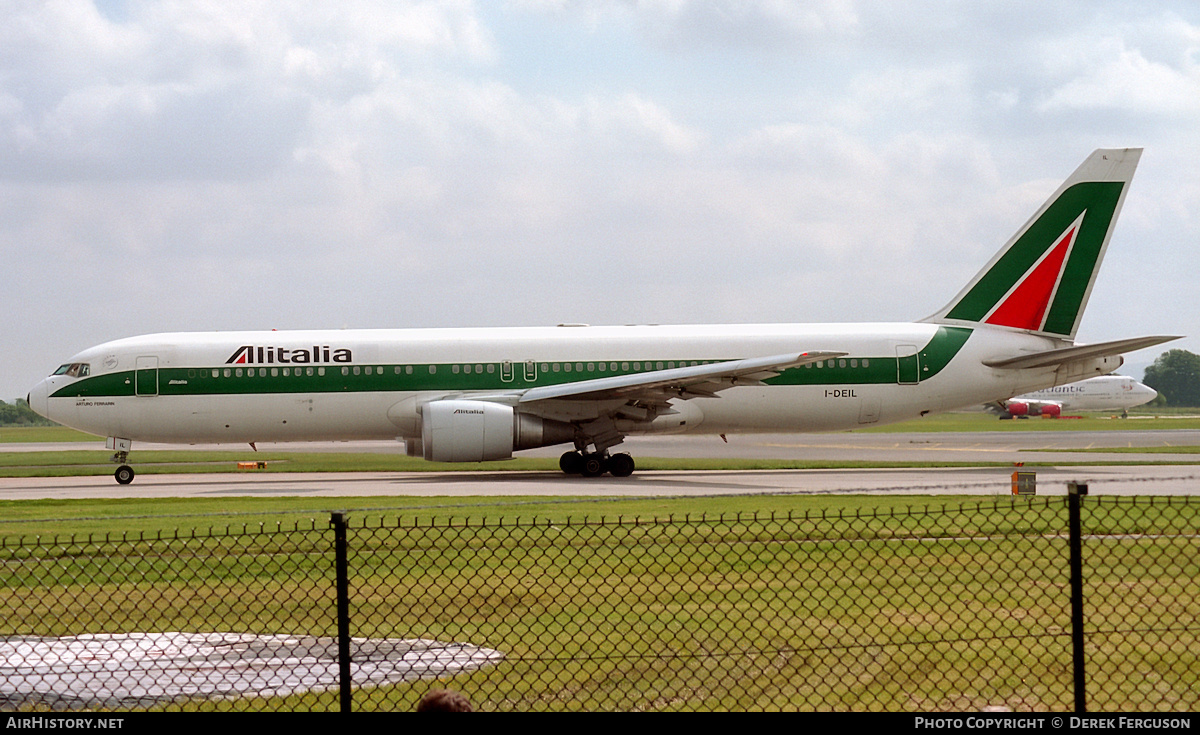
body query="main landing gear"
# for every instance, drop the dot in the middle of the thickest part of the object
(594, 464)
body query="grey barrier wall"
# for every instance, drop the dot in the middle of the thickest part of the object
(954, 608)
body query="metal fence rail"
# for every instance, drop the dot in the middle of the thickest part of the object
(942, 608)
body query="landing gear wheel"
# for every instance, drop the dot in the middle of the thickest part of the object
(124, 474)
(594, 465)
(571, 463)
(620, 465)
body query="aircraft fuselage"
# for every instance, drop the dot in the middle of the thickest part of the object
(369, 384)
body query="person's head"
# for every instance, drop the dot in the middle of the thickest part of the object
(443, 700)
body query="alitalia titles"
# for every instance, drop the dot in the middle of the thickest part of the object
(267, 355)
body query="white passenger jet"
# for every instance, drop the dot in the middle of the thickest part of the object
(1103, 393)
(466, 395)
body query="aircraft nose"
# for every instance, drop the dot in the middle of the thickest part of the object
(39, 399)
(1144, 393)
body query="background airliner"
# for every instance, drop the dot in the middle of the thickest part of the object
(1103, 393)
(460, 395)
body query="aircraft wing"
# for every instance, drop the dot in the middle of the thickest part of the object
(683, 382)
(1053, 358)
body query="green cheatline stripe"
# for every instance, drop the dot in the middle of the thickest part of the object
(1100, 199)
(236, 380)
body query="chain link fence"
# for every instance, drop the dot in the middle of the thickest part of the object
(954, 608)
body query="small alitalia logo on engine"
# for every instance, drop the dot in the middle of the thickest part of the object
(265, 355)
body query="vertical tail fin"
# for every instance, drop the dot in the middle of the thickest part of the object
(1041, 279)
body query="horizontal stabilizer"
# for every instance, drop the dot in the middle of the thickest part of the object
(1052, 358)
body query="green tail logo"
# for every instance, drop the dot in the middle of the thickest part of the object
(1041, 279)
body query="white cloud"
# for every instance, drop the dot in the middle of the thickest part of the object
(231, 83)
(194, 165)
(751, 22)
(632, 116)
(1126, 80)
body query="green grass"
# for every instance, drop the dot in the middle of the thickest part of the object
(979, 421)
(846, 604)
(132, 516)
(728, 617)
(30, 434)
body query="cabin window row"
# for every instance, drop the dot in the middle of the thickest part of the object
(274, 372)
(853, 362)
(490, 368)
(591, 367)
(546, 367)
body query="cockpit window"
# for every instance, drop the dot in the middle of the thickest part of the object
(74, 369)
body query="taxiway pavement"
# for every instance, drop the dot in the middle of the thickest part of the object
(1005, 447)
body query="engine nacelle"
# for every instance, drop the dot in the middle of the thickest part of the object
(477, 431)
(1051, 410)
(1016, 408)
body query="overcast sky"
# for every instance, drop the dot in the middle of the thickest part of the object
(176, 165)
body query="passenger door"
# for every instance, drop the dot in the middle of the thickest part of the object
(145, 378)
(908, 369)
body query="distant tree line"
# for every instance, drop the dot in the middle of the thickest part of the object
(1176, 377)
(18, 413)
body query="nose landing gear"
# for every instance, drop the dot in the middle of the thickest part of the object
(124, 473)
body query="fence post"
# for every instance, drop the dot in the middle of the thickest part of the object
(341, 567)
(1075, 491)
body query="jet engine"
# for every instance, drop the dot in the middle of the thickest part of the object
(1016, 408)
(475, 431)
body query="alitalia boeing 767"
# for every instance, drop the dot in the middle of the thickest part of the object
(466, 395)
